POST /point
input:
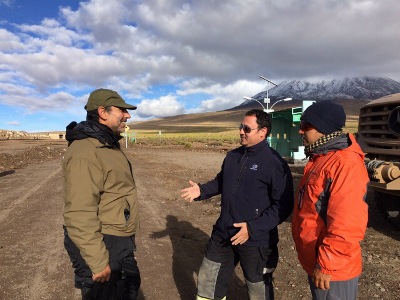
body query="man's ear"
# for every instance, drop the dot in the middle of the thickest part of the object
(265, 129)
(101, 110)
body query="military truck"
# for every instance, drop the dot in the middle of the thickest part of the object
(379, 137)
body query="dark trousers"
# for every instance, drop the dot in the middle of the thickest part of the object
(125, 276)
(219, 263)
(339, 290)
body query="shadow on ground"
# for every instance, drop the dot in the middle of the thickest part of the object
(188, 244)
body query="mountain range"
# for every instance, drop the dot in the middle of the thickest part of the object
(351, 93)
(360, 88)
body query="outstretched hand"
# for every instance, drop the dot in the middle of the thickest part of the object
(191, 192)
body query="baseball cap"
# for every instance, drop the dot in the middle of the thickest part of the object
(105, 97)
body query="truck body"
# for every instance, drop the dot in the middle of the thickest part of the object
(379, 137)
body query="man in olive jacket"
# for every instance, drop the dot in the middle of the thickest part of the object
(101, 207)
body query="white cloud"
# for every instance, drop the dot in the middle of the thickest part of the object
(6, 2)
(222, 97)
(163, 107)
(13, 123)
(215, 48)
(10, 42)
(32, 101)
(52, 32)
(188, 39)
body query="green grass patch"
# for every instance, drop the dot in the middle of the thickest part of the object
(193, 137)
(186, 139)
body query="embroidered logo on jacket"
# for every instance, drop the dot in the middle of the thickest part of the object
(254, 167)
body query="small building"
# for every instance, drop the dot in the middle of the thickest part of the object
(57, 135)
(285, 137)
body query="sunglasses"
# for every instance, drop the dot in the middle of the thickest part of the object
(304, 126)
(246, 128)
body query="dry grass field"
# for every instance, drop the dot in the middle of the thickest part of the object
(214, 128)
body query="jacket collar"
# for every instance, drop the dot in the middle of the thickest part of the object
(255, 149)
(345, 142)
(92, 129)
(338, 143)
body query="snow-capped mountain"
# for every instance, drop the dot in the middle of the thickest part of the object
(364, 88)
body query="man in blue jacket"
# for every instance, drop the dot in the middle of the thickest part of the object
(256, 190)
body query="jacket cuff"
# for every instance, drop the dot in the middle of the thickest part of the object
(100, 267)
(323, 271)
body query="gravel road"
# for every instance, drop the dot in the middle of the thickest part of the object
(34, 264)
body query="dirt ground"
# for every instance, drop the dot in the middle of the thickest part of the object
(34, 264)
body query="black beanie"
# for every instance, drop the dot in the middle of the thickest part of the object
(326, 116)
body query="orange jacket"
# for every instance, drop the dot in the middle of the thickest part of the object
(330, 214)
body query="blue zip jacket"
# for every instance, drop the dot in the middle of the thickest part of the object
(256, 187)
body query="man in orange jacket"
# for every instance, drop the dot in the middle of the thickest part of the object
(330, 214)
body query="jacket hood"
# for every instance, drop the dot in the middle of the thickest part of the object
(78, 131)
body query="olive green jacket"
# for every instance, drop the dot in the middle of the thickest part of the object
(100, 198)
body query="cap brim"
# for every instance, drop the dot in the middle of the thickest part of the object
(127, 106)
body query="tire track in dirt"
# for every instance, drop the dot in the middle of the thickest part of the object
(155, 255)
(33, 261)
(34, 185)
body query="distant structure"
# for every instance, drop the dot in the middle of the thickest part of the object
(23, 135)
(57, 135)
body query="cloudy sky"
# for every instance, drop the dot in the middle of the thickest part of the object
(173, 57)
